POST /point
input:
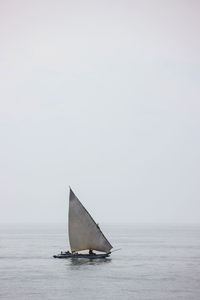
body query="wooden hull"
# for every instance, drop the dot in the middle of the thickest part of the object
(77, 255)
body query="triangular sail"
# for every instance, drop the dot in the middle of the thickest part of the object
(84, 233)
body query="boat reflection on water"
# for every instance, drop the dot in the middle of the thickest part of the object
(90, 262)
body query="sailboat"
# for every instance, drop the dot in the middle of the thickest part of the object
(84, 233)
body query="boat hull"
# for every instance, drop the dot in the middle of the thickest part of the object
(77, 255)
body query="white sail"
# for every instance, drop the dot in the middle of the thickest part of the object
(84, 233)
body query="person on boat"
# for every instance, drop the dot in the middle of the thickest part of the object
(91, 252)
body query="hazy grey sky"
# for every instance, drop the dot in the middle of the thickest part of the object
(103, 96)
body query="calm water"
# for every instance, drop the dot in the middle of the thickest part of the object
(156, 262)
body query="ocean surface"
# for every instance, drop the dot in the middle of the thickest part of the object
(155, 262)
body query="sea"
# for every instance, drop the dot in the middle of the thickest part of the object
(155, 261)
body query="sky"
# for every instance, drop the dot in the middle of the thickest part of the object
(102, 96)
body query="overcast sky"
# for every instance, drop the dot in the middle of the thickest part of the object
(103, 96)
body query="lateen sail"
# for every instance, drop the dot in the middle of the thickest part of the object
(84, 233)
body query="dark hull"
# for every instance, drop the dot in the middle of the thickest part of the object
(88, 256)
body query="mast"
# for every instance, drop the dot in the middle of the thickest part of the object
(84, 233)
